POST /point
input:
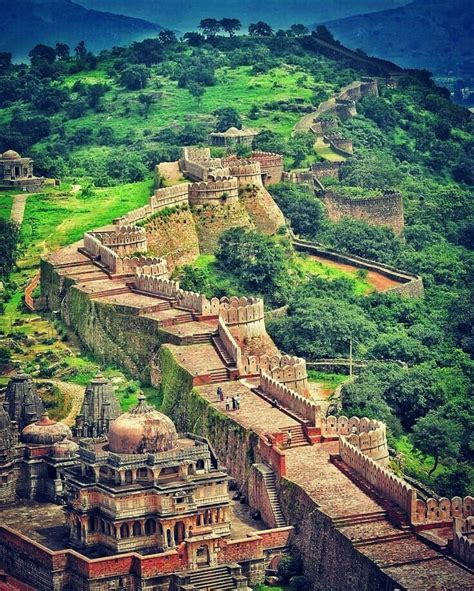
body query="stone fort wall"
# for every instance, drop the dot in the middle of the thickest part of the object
(463, 540)
(370, 436)
(286, 369)
(214, 191)
(386, 210)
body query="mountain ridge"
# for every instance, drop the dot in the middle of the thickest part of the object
(28, 22)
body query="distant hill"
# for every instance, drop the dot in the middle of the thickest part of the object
(186, 14)
(432, 34)
(25, 23)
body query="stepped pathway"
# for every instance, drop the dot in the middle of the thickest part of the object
(72, 392)
(18, 208)
(270, 484)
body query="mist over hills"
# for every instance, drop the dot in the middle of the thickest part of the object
(185, 15)
(25, 23)
(432, 34)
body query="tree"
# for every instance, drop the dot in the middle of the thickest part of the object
(324, 33)
(135, 78)
(300, 146)
(231, 26)
(300, 206)
(299, 30)
(196, 90)
(42, 54)
(260, 29)
(81, 51)
(227, 117)
(5, 61)
(210, 26)
(437, 436)
(9, 231)
(146, 100)
(62, 51)
(167, 37)
(193, 39)
(269, 141)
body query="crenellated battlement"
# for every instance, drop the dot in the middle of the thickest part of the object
(463, 539)
(286, 369)
(211, 191)
(290, 399)
(245, 315)
(125, 240)
(368, 435)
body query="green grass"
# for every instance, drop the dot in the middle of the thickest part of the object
(328, 380)
(238, 87)
(57, 219)
(325, 151)
(415, 463)
(6, 200)
(327, 271)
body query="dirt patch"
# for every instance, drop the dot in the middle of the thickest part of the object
(378, 281)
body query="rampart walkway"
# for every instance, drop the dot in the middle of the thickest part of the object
(356, 513)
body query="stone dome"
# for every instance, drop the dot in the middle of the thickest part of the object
(142, 430)
(10, 155)
(64, 448)
(45, 432)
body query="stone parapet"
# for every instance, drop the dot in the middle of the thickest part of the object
(443, 510)
(286, 369)
(245, 315)
(212, 192)
(291, 400)
(125, 240)
(463, 540)
(385, 210)
(230, 344)
(382, 479)
(368, 435)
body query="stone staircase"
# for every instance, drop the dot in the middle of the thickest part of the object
(219, 578)
(359, 518)
(298, 435)
(219, 345)
(270, 485)
(219, 374)
(203, 338)
(110, 292)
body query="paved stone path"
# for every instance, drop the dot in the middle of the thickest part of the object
(18, 208)
(72, 392)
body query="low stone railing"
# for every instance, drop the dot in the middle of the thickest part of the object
(381, 478)
(443, 510)
(230, 345)
(286, 369)
(290, 400)
(463, 539)
(101, 252)
(152, 266)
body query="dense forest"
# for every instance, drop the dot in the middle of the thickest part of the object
(108, 119)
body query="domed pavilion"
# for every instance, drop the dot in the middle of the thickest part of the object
(16, 171)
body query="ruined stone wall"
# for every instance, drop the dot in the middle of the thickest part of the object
(173, 237)
(286, 369)
(214, 192)
(386, 210)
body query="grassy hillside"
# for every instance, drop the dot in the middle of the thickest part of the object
(106, 122)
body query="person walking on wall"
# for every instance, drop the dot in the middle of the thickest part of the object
(220, 394)
(237, 402)
(227, 403)
(289, 438)
(234, 403)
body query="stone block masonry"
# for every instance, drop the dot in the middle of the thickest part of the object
(386, 210)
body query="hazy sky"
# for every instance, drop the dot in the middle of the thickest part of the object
(186, 14)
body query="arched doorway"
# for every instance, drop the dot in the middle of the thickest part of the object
(179, 532)
(202, 555)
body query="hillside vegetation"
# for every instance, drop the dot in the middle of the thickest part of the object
(106, 121)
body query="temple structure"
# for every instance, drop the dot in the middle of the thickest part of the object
(22, 401)
(147, 488)
(233, 137)
(99, 408)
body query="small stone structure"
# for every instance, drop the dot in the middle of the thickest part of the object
(16, 171)
(233, 137)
